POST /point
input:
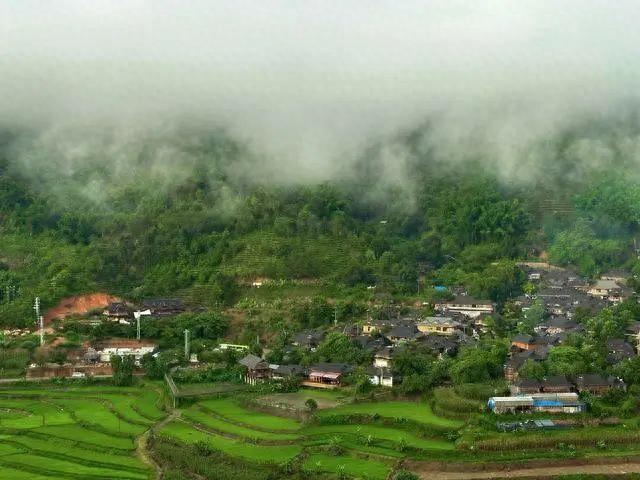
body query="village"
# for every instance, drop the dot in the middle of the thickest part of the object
(457, 321)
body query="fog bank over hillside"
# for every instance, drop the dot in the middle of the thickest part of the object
(309, 86)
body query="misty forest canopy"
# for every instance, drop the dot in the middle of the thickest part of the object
(176, 214)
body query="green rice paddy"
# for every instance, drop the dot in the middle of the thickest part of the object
(74, 433)
(368, 451)
(92, 432)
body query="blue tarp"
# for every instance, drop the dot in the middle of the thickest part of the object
(547, 403)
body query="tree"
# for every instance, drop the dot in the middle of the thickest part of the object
(311, 405)
(155, 367)
(532, 317)
(564, 360)
(337, 347)
(122, 370)
(532, 369)
(629, 370)
(479, 364)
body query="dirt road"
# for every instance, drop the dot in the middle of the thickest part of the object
(610, 467)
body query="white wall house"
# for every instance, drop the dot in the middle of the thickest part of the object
(124, 347)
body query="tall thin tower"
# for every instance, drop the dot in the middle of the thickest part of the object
(39, 319)
(186, 344)
(41, 322)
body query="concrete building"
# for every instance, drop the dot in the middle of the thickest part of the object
(123, 346)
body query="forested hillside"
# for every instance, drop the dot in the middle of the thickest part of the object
(198, 221)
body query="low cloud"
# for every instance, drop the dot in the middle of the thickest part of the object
(309, 86)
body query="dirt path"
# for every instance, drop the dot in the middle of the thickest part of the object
(427, 472)
(142, 442)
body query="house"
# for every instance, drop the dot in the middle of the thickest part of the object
(380, 326)
(257, 368)
(163, 307)
(519, 357)
(467, 305)
(383, 357)
(279, 372)
(514, 362)
(380, 376)
(556, 384)
(123, 346)
(618, 351)
(117, 312)
(369, 342)
(537, 402)
(525, 386)
(439, 325)
(352, 331)
(558, 324)
(523, 341)
(403, 333)
(618, 276)
(608, 290)
(308, 339)
(524, 302)
(633, 332)
(442, 344)
(326, 375)
(596, 384)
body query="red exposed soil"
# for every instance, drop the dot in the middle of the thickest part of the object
(79, 305)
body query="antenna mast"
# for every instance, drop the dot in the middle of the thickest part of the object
(41, 321)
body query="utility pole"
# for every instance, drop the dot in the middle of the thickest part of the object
(39, 319)
(186, 344)
(41, 322)
(335, 316)
(138, 327)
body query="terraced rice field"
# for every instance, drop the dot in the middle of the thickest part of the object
(417, 411)
(74, 433)
(351, 465)
(370, 450)
(92, 432)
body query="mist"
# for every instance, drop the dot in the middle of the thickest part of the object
(307, 87)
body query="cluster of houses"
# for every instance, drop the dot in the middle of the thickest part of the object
(93, 358)
(457, 322)
(555, 394)
(562, 292)
(123, 312)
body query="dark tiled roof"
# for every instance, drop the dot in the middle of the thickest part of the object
(528, 383)
(591, 380)
(331, 367)
(287, 370)
(556, 381)
(308, 338)
(251, 361)
(408, 332)
(522, 338)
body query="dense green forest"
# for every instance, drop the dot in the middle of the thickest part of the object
(168, 228)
